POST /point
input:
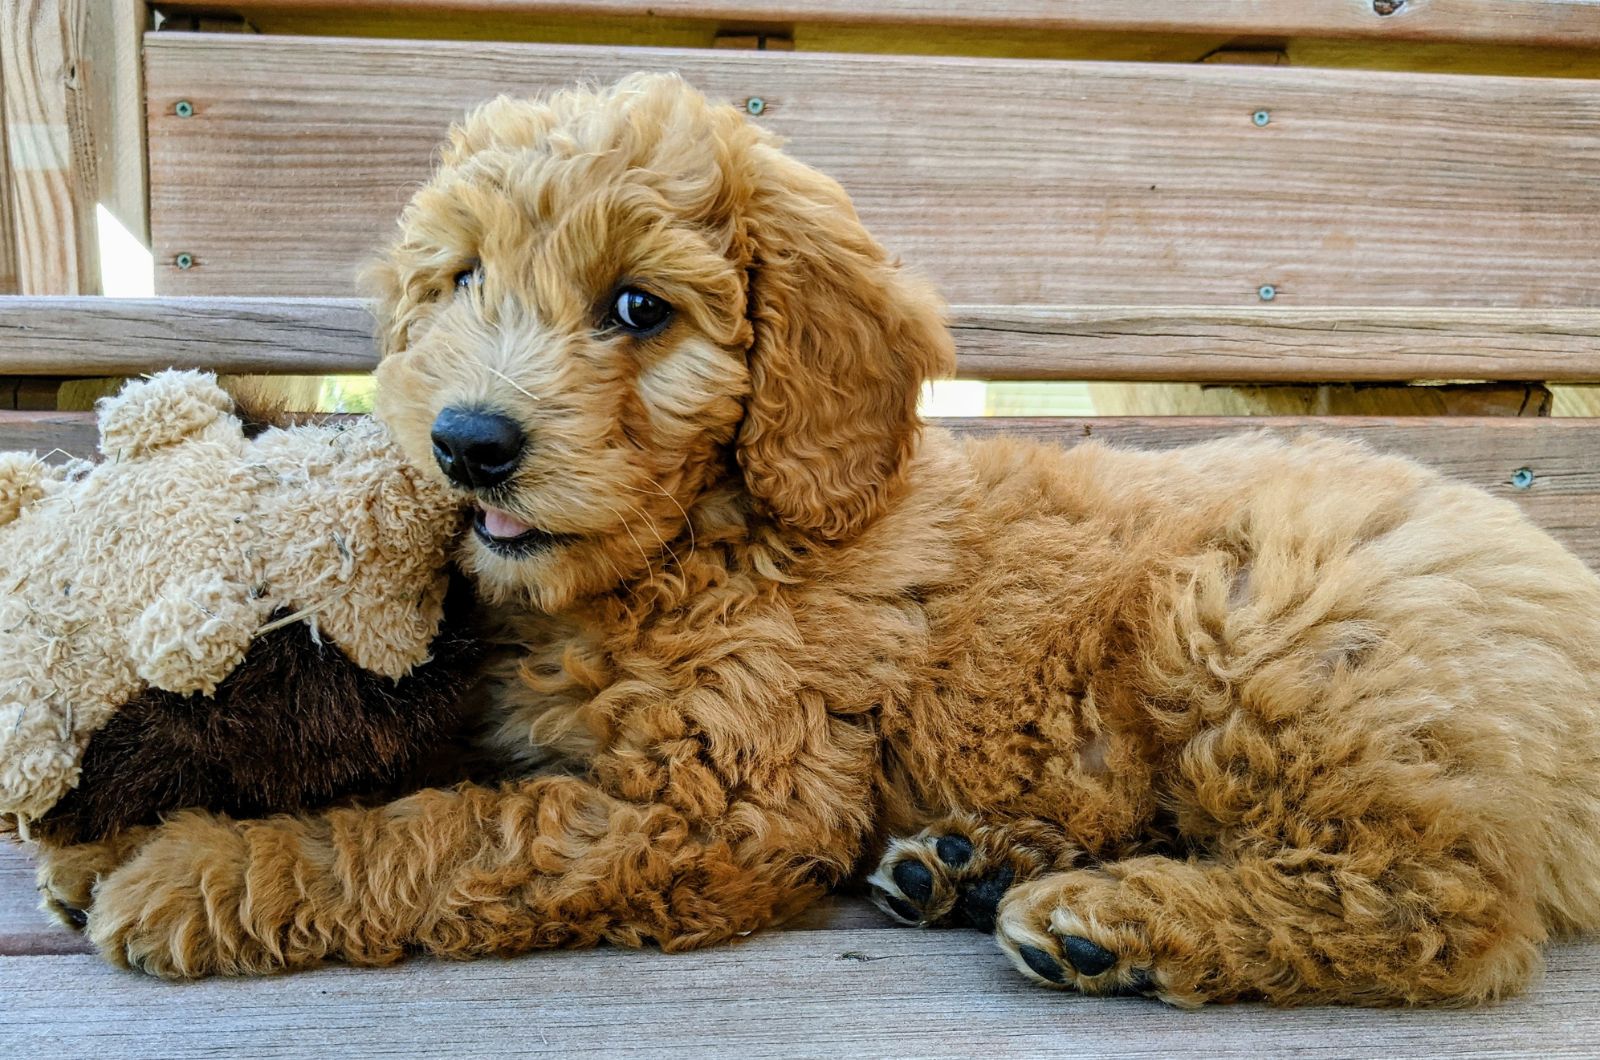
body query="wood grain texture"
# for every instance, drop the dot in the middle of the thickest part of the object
(121, 336)
(1562, 454)
(114, 73)
(1522, 21)
(58, 434)
(830, 993)
(8, 248)
(1008, 182)
(54, 184)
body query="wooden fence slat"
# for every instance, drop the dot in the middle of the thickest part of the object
(59, 434)
(103, 336)
(54, 183)
(1563, 455)
(1008, 182)
(1572, 22)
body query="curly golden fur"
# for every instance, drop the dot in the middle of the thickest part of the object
(1295, 722)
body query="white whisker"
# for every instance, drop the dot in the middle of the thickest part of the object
(518, 387)
(687, 522)
(629, 529)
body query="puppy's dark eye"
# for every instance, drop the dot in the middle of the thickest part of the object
(638, 312)
(469, 276)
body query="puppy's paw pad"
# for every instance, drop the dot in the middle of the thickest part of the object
(1087, 958)
(978, 902)
(943, 876)
(954, 850)
(1043, 964)
(915, 880)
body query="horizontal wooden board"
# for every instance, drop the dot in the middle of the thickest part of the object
(58, 434)
(1009, 182)
(1562, 454)
(779, 994)
(1520, 21)
(109, 337)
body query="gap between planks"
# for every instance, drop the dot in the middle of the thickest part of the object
(1562, 455)
(314, 336)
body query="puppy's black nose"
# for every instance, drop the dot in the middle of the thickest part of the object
(475, 448)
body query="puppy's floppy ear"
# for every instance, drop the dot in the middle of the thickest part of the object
(843, 341)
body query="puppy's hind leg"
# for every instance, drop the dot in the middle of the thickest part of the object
(954, 872)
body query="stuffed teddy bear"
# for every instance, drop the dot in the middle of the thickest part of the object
(203, 618)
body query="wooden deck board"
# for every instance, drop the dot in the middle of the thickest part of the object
(1570, 22)
(314, 336)
(1006, 181)
(811, 993)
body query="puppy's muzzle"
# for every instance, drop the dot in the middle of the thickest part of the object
(475, 448)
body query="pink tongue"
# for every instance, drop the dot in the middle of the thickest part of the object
(501, 524)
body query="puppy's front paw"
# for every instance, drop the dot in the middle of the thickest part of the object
(955, 872)
(178, 909)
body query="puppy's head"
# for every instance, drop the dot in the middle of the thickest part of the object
(608, 303)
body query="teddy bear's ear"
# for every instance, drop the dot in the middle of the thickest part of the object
(168, 408)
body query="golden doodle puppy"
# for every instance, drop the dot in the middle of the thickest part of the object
(1252, 720)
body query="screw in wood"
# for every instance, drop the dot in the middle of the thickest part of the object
(184, 260)
(1522, 478)
(1261, 117)
(1387, 7)
(1266, 292)
(184, 109)
(755, 104)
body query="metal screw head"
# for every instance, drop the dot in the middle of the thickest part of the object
(1522, 478)
(755, 104)
(184, 260)
(1266, 292)
(184, 109)
(1261, 117)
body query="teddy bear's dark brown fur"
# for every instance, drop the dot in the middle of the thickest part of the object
(296, 726)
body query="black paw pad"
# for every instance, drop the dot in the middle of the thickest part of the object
(1042, 963)
(914, 879)
(1086, 957)
(954, 850)
(76, 917)
(903, 909)
(977, 904)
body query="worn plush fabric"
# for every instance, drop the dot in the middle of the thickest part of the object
(159, 567)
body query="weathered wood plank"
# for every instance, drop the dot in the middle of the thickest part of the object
(1523, 21)
(102, 336)
(114, 74)
(1008, 182)
(48, 128)
(94, 336)
(59, 434)
(1563, 455)
(8, 251)
(778, 994)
